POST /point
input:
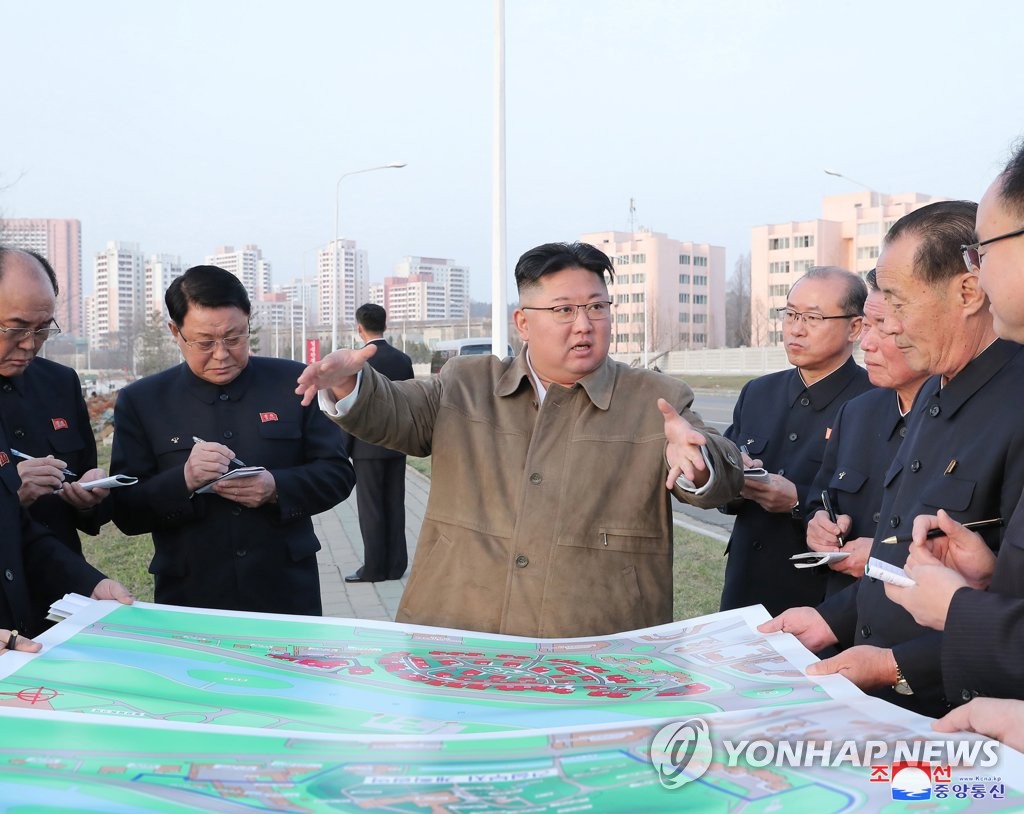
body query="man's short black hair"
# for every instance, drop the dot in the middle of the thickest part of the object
(372, 317)
(1011, 188)
(943, 228)
(8, 250)
(552, 257)
(207, 287)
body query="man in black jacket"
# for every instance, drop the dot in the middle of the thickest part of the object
(245, 543)
(42, 408)
(380, 472)
(783, 420)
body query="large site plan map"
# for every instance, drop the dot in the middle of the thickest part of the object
(152, 708)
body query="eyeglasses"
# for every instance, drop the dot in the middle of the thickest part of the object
(39, 335)
(972, 257)
(595, 311)
(811, 320)
(207, 345)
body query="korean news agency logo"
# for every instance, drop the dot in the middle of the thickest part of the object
(910, 779)
(681, 752)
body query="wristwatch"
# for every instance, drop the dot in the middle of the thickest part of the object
(901, 686)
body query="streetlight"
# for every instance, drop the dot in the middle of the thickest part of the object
(872, 190)
(335, 283)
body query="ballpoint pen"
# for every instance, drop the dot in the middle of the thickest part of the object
(827, 503)
(18, 454)
(198, 440)
(933, 533)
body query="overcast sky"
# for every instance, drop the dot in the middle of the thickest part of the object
(190, 124)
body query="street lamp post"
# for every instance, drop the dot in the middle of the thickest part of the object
(876, 200)
(335, 282)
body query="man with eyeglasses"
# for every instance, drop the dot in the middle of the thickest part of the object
(964, 452)
(42, 407)
(37, 566)
(783, 420)
(247, 543)
(549, 512)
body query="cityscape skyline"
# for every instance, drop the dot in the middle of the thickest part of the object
(187, 126)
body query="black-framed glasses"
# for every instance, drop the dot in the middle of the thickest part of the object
(566, 313)
(972, 257)
(39, 335)
(809, 318)
(207, 345)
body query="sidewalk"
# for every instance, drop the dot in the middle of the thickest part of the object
(341, 553)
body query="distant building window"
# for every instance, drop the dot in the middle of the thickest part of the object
(867, 228)
(779, 267)
(639, 258)
(700, 279)
(622, 260)
(700, 317)
(684, 260)
(684, 279)
(636, 297)
(867, 252)
(803, 242)
(636, 278)
(802, 266)
(700, 339)
(700, 261)
(684, 316)
(684, 298)
(684, 336)
(700, 299)
(778, 290)
(775, 243)
(622, 317)
(622, 338)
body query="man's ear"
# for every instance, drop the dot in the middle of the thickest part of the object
(972, 296)
(173, 329)
(522, 328)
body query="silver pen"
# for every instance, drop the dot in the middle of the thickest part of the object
(18, 454)
(197, 440)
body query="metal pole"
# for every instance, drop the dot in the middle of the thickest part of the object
(499, 285)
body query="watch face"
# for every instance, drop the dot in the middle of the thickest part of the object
(902, 687)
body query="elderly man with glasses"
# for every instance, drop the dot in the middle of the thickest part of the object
(42, 407)
(781, 421)
(549, 512)
(239, 543)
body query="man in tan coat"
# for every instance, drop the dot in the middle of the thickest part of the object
(549, 512)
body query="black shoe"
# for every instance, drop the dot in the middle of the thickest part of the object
(356, 577)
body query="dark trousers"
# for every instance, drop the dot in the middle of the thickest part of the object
(380, 500)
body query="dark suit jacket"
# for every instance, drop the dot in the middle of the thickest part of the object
(974, 421)
(866, 434)
(397, 366)
(209, 551)
(35, 567)
(44, 413)
(786, 425)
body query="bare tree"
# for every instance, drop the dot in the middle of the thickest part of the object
(738, 327)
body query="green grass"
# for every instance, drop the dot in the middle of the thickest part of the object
(117, 555)
(421, 465)
(698, 570)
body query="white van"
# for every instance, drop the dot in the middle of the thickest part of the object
(473, 346)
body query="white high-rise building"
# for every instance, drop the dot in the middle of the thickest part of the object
(425, 288)
(247, 264)
(159, 271)
(59, 240)
(117, 292)
(667, 294)
(342, 282)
